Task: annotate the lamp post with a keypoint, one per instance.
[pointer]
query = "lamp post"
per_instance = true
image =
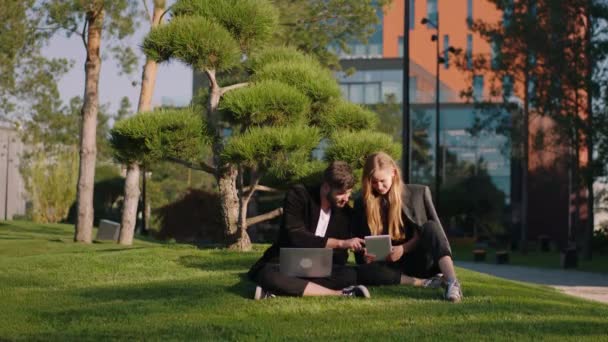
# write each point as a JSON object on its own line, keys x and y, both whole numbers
{"x": 405, "y": 134}
{"x": 439, "y": 61}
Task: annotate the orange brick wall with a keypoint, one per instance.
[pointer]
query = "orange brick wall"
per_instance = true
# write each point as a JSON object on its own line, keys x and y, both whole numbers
{"x": 452, "y": 19}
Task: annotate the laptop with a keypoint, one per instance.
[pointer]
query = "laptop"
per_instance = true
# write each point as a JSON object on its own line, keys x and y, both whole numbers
{"x": 306, "y": 262}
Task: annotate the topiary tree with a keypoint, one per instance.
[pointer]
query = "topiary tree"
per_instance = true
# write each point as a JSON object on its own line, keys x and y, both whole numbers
{"x": 289, "y": 105}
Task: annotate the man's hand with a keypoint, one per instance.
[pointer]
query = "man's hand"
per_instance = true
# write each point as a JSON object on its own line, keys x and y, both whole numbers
{"x": 395, "y": 254}
{"x": 355, "y": 244}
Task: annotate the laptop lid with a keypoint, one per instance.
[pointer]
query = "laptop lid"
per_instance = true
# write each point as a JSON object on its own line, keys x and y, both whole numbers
{"x": 306, "y": 262}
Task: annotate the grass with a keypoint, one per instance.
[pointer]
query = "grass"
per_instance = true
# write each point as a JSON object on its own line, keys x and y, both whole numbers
{"x": 53, "y": 289}
{"x": 463, "y": 251}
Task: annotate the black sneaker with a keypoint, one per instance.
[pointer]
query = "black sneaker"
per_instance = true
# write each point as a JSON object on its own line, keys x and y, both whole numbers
{"x": 453, "y": 292}
{"x": 260, "y": 293}
{"x": 356, "y": 291}
{"x": 435, "y": 282}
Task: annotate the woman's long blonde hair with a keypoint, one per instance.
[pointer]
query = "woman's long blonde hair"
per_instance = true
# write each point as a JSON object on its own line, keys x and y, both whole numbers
{"x": 373, "y": 205}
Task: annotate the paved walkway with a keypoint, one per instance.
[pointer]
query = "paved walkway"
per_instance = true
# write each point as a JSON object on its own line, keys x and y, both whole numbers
{"x": 587, "y": 285}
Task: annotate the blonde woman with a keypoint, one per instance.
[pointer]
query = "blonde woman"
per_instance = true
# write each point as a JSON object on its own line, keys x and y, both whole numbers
{"x": 421, "y": 254}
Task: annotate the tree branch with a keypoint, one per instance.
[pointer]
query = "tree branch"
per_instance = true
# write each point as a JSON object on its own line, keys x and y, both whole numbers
{"x": 264, "y": 217}
{"x": 83, "y": 34}
{"x": 224, "y": 90}
{"x": 148, "y": 11}
{"x": 262, "y": 188}
{"x": 251, "y": 189}
{"x": 195, "y": 166}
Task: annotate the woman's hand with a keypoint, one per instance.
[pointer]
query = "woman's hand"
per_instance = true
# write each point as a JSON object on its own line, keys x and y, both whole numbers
{"x": 395, "y": 254}
{"x": 369, "y": 258}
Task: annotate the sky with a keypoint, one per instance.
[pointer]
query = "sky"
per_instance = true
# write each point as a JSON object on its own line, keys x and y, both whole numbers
{"x": 173, "y": 85}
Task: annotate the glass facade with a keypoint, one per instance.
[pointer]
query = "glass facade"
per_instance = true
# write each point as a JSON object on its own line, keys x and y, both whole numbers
{"x": 373, "y": 48}
{"x": 464, "y": 154}
{"x": 372, "y": 86}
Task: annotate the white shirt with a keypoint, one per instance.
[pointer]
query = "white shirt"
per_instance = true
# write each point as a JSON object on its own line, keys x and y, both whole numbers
{"x": 323, "y": 222}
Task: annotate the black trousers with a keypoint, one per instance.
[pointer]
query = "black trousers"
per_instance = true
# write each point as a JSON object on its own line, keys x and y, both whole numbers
{"x": 422, "y": 262}
{"x": 270, "y": 278}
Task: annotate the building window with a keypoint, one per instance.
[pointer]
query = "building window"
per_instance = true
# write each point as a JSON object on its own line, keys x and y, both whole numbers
{"x": 477, "y": 87}
{"x": 469, "y": 52}
{"x": 368, "y": 93}
{"x": 494, "y": 54}
{"x": 469, "y": 13}
{"x": 412, "y": 91}
{"x": 344, "y": 90}
{"x": 431, "y": 12}
{"x": 372, "y": 93}
{"x": 507, "y": 86}
{"x": 533, "y": 8}
{"x": 531, "y": 59}
{"x": 507, "y": 15}
{"x": 446, "y": 54}
{"x": 532, "y": 92}
{"x": 400, "y": 46}
{"x": 355, "y": 93}
{"x": 375, "y": 51}
{"x": 412, "y": 14}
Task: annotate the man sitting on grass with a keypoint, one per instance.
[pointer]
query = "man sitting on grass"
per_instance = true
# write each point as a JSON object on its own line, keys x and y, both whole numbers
{"x": 314, "y": 217}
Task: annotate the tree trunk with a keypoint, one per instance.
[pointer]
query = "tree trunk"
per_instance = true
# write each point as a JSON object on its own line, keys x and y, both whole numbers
{"x": 148, "y": 81}
{"x": 226, "y": 176}
{"x": 129, "y": 211}
{"x": 88, "y": 142}
{"x": 229, "y": 206}
{"x": 590, "y": 174}
{"x": 524, "y": 162}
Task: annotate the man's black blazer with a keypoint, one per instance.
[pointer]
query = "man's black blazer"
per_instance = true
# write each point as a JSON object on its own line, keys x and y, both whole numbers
{"x": 301, "y": 210}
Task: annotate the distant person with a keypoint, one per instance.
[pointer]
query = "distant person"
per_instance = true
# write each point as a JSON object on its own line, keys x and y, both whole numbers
{"x": 421, "y": 254}
{"x": 314, "y": 217}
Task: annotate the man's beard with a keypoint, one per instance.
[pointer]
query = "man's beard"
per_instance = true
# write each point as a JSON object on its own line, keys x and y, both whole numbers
{"x": 334, "y": 201}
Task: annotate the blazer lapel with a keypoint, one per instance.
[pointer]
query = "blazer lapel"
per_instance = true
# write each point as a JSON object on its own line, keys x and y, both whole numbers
{"x": 408, "y": 206}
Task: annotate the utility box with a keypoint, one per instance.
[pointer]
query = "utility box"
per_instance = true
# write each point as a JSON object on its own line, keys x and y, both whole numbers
{"x": 108, "y": 230}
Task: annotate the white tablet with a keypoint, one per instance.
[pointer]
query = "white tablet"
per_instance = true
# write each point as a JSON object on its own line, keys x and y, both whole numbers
{"x": 379, "y": 245}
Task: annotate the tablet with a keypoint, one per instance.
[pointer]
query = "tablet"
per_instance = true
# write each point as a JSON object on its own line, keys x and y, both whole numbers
{"x": 379, "y": 245}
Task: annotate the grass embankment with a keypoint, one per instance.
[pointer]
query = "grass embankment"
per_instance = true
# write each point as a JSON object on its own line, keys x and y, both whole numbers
{"x": 53, "y": 289}
{"x": 463, "y": 250}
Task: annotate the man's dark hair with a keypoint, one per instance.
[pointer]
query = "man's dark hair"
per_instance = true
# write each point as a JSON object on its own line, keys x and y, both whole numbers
{"x": 339, "y": 176}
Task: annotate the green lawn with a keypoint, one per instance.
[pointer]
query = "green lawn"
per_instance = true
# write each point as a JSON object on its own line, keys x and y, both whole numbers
{"x": 53, "y": 289}
{"x": 463, "y": 250}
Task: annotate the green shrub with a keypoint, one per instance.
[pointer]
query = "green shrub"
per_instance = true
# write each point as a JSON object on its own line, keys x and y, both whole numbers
{"x": 354, "y": 147}
{"x": 167, "y": 133}
{"x": 196, "y": 41}
{"x": 50, "y": 181}
{"x": 265, "y": 103}
{"x": 278, "y": 54}
{"x": 250, "y": 22}
{"x": 339, "y": 114}
{"x": 278, "y": 150}
{"x": 315, "y": 82}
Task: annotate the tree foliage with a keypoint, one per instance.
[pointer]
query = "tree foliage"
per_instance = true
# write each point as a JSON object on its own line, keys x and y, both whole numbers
{"x": 289, "y": 104}
{"x": 162, "y": 134}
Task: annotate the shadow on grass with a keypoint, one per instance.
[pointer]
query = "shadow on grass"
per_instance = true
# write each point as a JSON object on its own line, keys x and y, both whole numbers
{"x": 32, "y": 228}
{"x": 222, "y": 261}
